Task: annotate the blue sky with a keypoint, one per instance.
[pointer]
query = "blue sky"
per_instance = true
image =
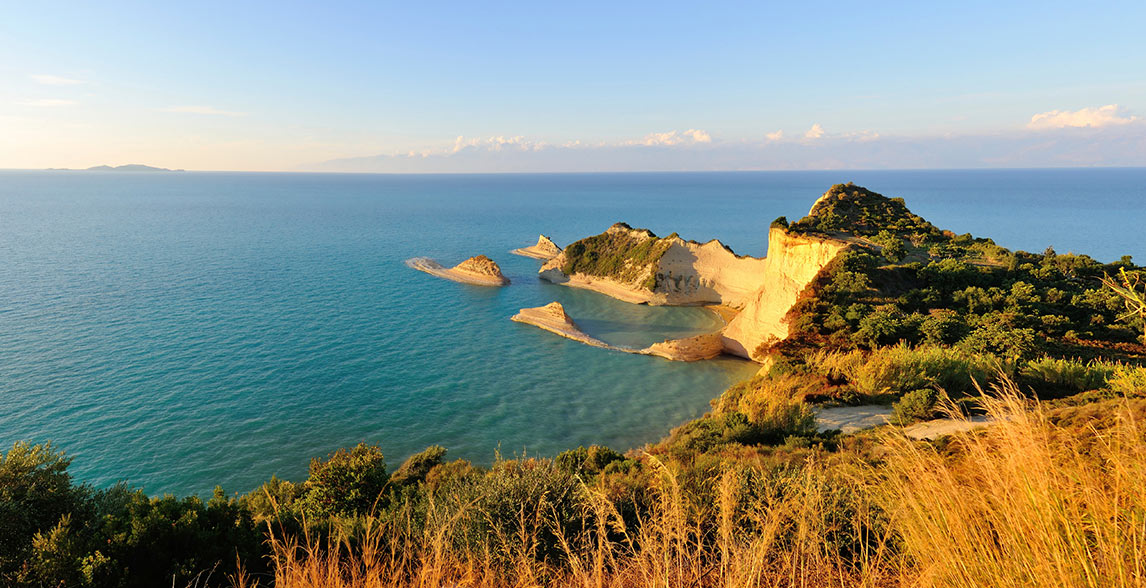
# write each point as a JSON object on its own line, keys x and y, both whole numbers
{"x": 456, "y": 86}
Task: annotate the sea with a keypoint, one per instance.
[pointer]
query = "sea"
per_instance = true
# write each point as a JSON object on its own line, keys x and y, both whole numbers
{"x": 186, "y": 330}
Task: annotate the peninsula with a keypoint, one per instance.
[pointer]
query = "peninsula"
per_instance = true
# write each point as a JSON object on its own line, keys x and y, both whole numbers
{"x": 859, "y": 269}
{"x": 478, "y": 270}
{"x": 634, "y": 265}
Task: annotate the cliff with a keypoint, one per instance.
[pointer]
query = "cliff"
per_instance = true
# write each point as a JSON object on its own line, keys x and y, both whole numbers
{"x": 544, "y": 249}
{"x": 637, "y": 266}
{"x": 793, "y": 261}
{"x": 478, "y": 270}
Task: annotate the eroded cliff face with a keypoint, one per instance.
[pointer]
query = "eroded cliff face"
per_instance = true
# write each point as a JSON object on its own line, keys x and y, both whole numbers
{"x": 793, "y": 261}
{"x": 676, "y": 272}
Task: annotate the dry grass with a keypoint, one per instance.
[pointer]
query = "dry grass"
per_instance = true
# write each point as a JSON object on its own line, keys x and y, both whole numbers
{"x": 1023, "y": 503}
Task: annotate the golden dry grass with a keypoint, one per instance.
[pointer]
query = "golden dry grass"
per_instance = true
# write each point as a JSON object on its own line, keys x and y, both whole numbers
{"x": 1022, "y": 503}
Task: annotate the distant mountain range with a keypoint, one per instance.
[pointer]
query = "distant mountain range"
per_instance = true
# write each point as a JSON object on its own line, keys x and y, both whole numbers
{"x": 131, "y": 167}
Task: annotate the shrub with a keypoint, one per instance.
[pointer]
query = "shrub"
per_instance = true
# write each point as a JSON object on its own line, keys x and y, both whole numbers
{"x": 417, "y": 466}
{"x": 35, "y": 493}
{"x": 892, "y": 246}
{"x": 901, "y": 369}
{"x": 1071, "y": 375}
{"x": 1128, "y": 381}
{"x": 917, "y": 405}
{"x": 347, "y": 483}
{"x": 998, "y": 339}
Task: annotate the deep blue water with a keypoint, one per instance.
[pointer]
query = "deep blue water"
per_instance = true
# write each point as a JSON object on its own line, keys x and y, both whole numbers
{"x": 184, "y": 330}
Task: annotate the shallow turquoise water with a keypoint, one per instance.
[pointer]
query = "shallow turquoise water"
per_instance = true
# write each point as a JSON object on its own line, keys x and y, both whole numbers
{"x": 185, "y": 330}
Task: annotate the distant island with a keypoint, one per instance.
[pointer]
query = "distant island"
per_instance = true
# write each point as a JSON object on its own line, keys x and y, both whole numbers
{"x": 131, "y": 167}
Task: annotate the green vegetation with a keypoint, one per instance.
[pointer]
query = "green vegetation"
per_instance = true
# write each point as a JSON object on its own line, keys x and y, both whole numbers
{"x": 856, "y": 210}
{"x": 622, "y": 253}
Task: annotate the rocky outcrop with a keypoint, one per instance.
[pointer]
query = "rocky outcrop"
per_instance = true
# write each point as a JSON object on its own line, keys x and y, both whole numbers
{"x": 552, "y": 318}
{"x": 478, "y": 270}
{"x": 706, "y": 346}
{"x": 544, "y": 249}
{"x": 792, "y": 262}
{"x": 668, "y": 271}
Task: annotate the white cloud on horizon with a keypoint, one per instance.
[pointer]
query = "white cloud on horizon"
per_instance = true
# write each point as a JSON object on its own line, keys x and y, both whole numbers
{"x": 1103, "y": 116}
{"x": 48, "y": 102}
{"x": 1117, "y": 145}
{"x": 815, "y": 132}
{"x": 673, "y": 138}
{"x": 774, "y": 136}
{"x": 208, "y": 110}
{"x": 51, "y": 80}
{"x": 498, "y": 143}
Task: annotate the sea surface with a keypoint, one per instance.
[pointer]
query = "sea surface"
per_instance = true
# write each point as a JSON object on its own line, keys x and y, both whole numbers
{"x": 179, "y": 331}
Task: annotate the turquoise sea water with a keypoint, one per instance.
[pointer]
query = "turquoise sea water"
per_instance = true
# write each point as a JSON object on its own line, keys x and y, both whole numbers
{"x": 184, "y": 330}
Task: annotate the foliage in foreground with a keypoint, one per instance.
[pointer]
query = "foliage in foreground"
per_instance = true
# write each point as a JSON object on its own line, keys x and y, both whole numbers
{"x": 1035, "y": 500}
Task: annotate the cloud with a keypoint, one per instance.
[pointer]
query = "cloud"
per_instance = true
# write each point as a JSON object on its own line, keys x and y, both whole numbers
{"x": 776, "y": 136}
{"x": 48, "y": 102}
{"x": 200, "y": 110}
{"x": 815, "y": 132}
{"x": 497, "y": 143}
{"x": 671, "y": 138}
{"x": 1114, "y": 145}
{"x": 50, "y": 80}
{"x": 1103, "y": 116}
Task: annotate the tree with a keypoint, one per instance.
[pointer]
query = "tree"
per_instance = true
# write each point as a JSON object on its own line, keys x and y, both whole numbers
{"x": 346, "y": 484}
{"x": 36, "y": 492}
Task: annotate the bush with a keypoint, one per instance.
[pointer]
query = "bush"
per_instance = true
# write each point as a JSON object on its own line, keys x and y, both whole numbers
{"x": 999, "y": 339}
{"x": 1128, "y": 381}
{"x": 346, "y": 484}
{"x": 417, "y": 466}
{"x": 917, "y": 405}
{"x": 1066, "y": 375}
{"x": 901, "y": 369}
{"x": 36, "y": 492}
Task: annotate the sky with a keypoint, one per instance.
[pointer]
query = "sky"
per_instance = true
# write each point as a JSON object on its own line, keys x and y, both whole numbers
{"x": 576, "y": 86}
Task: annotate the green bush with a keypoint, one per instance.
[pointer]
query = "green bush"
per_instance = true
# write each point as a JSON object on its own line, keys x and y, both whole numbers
{"x": 917, "y": 405}
{"x": 1066, "y": 375}
{"x": 347, "y": 483}
{"x": 416, "y": 467}
{"x": 901, "y": 369}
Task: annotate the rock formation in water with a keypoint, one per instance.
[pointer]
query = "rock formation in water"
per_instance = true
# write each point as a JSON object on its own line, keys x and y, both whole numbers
{"x": 478, "y": 270}
{"x": 705, "y": 346}
{"x": 544, "y": 249}
{"x": 552, "y": 318}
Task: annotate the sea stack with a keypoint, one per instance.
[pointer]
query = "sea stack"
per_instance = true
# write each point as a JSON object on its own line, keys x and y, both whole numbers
{"x": 552, "y": 318}
{"x": 545, "y": 249}
{"x": 478, "y": 270}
